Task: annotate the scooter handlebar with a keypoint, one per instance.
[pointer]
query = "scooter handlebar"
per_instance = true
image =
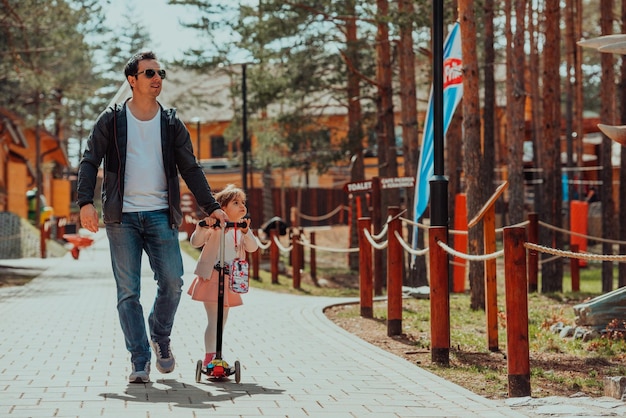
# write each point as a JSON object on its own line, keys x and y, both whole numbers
{"x": 242, "y": 224}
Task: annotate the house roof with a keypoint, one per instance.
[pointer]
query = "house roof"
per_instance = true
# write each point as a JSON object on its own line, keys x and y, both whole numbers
{"x": 208, "y": 96}
{"x": 196, "y": 96}
{"x": 23, "y": 141}
{"x": 8, "y": 126}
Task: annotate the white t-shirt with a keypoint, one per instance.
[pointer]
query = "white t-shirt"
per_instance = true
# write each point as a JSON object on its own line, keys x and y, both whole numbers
{"x": 145, "y": 185}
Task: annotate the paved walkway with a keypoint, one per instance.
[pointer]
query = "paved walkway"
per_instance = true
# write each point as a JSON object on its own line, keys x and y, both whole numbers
{"x": 62, "y": 354}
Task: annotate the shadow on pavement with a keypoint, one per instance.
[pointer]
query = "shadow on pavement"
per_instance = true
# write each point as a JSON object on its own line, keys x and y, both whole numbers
{"x": 184, "y": 395}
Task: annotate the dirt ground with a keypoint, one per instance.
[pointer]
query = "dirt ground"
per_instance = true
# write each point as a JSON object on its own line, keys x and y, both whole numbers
{"x": 483, "y": 373}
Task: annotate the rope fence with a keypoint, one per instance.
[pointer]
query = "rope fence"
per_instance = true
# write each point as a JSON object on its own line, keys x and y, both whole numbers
{"x": 321, "y": 217}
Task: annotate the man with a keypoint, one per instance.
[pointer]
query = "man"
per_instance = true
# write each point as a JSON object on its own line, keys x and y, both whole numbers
{"x": 144, "y": 147}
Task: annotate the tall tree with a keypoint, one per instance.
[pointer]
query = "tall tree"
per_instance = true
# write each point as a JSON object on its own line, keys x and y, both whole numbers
{"x": 607, "y": 115}
{"x": 489, "y": 110}
{"x": 516, "y": 99}
{"x": 47, "y": 72}
{"x": 534, "y": 89}
{"x": 408, "y": 110}
{"x": 355, "y": 128}
{"x": 622, "y": 172}
{"x": 551, "y": 196}
{"x": 472, "y": 141}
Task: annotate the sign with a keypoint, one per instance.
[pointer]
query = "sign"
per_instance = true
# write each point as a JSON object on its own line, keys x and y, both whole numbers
{"x": 359, "y": 186}
{"x": 397, "y": 182}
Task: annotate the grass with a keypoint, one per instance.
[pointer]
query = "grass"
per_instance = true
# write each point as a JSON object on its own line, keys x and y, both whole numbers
{"x": 559, "y": 366}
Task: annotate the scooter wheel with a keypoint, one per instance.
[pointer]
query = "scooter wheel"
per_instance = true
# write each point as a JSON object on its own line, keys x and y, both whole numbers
{"x": 237, "y": 372}
{"x": 198, "y": 371}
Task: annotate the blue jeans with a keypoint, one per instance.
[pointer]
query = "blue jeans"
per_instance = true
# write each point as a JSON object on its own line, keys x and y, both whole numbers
{"x": 150, "y": 231}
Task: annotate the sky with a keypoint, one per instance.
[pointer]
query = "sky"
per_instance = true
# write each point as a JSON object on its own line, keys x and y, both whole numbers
{"x": 168, "y": 38}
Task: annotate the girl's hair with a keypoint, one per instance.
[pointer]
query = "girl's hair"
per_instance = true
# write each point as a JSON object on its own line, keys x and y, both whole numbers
{"x": 230, "y": 192}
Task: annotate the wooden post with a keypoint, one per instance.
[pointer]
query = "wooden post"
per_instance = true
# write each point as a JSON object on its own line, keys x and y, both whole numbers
{"x": 533, "y": 255}
{"x": 44, "y": 234}
{"x": 575, "y": 270}
{"x": 366, "y": 289}
{"x": 579, "y": 211}
{"x": 439, "y": 297}
{"x": 394, "y": 275}
{"x": 491, "y": 284}
{"x": 313, "y": 259}
{"x": 296, "y": 261}
{"x": 274, "y": 254}
{"x": 256, "y": 256}
{"x": 460, "y": 242}
{"x": 518, "y": 357}
{"x": 488, "y": 216}
{"x": 377, "y": 227}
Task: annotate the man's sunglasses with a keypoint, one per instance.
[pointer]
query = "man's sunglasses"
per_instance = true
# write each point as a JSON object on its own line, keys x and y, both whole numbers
{"x": 150, "y": 73}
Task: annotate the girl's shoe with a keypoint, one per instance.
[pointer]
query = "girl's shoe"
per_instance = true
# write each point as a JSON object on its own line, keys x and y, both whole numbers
{"x": 208, "y": 357}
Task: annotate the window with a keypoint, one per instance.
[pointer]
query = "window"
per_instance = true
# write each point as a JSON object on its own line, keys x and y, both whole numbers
{"x": 218, "y": 147}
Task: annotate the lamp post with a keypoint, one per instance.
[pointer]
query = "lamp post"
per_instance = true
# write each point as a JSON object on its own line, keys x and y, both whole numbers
{"x": 439, "y": 182}
{"x": 244, "y": 130}
{"x": 197, "y": 121}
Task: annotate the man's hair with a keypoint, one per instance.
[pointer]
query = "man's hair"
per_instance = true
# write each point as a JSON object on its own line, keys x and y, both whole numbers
{"x": 132, "y": 66}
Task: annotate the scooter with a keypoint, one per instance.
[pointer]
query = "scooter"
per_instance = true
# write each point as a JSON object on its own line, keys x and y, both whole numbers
{"x": 219, "y": 369}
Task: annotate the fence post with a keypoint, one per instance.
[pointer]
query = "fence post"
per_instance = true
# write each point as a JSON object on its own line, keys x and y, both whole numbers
{"x": 575, "y": 270}
{"x": 377, "y": 226}
{"x": 488, "y": 216}
{"x": 518, "y": 358}
{"x": 491, "y": 275}
{"x": 533, "y": 255}
{"x": 274, "y": 254}
{"x": 579, "y": 220}
{"x": 313, "y": 259}
{"x": 256, "y": 261}
{"x": 460, "y": 242}
{"x": 296, "y": 261}
{"x": 366, "y": 289}
{"x": 394, "y": 274}
{"x": 439, "y": 296}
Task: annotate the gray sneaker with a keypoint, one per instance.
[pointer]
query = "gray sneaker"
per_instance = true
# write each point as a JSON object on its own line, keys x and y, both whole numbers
{"x": 165, "y": 362}
{"x": 140, "y": 374}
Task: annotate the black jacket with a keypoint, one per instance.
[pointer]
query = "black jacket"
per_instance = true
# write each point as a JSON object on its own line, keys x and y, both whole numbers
{"x": 108, "y": 141}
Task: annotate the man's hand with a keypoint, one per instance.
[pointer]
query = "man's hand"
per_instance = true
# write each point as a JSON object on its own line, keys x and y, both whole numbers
{"x": 219, "y": 215}
{"x": 89, "y": 218}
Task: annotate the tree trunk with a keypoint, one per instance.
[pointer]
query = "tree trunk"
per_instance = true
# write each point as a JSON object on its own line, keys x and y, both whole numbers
{"x": 489, "y": 158}
{"x": 355, "y": 129}
{"x": 570, "y": 52}
{"x": 622, "y": 172}
{"x": 516, "y": 99}
{"x": 607, "y": 115}
{"x": 535, "y": 104}
{"x": 578, "y": 89}
{"x": 387, "y": 163}
{"x": 472, "y": 141}
{"x": 551, "y": 272}
{"x": 408, "y": 111}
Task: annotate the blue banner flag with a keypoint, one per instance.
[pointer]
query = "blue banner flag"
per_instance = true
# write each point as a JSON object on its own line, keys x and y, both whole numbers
{"x": 452, "y": 94}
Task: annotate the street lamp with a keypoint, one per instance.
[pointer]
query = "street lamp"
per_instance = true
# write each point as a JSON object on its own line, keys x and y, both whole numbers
{"x": 244, "y": 140}
{"x": 197, "y": 121}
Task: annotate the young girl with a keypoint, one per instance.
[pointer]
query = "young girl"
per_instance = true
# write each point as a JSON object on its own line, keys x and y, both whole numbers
{"x": 238, "y": 241}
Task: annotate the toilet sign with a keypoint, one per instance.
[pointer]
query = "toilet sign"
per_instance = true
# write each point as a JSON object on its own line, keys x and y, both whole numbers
{"x": 385, "y": 183}
{"x": 358, "y": 186}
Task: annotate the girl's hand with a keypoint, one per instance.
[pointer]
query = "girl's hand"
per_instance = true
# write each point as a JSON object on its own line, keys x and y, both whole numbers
{"x": 247, "y": 228}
